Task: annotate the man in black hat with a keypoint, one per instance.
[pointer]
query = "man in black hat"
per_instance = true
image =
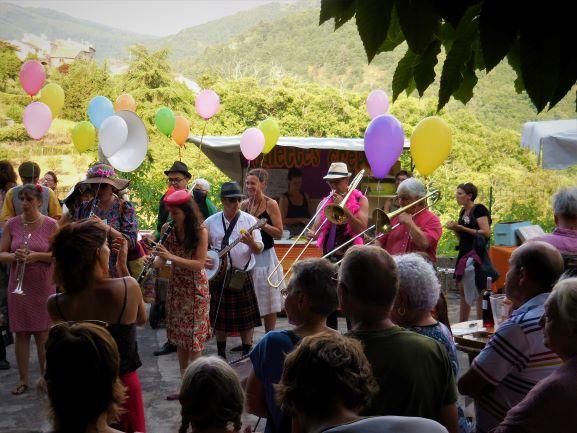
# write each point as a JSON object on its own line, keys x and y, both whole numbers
{"x": 29, "y": 174}
{"x": 233, "y": 303}
{"x": 177, "y": 177}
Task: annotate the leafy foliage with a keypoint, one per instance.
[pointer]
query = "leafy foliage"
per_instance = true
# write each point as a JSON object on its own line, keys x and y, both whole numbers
{"x": 486, "y": 30}
{"x": 9, "y": 65}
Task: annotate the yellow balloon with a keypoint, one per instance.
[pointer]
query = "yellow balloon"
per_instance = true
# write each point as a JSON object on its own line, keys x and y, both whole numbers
{"x": 271, "y": 132}
{"x": 84, "y": 136}
{"x": 430, "y": 144}
{"x": 53, "y": 96}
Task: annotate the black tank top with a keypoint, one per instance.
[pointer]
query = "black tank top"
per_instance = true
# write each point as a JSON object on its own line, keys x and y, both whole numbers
{"x": 294, "y": 211}
{"x": 267, "y": 239}
{"x": 125, "y": 337}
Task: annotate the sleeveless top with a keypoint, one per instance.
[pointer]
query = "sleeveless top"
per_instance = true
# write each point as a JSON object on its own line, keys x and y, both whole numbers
{"x": 294, "y": 211}
{"x": 125, "y": 337}
{"x": 267, "y": 239}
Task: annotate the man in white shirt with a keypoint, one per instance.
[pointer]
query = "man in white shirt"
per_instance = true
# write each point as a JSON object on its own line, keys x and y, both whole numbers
{"x": 233, "y": 305}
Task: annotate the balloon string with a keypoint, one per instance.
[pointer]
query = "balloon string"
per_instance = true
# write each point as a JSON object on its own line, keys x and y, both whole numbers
{"x": 261, "y": 160}
{"x": 379, "y": 194}
{"x": 180, "y": 153}
{"x": 200, "y": 147}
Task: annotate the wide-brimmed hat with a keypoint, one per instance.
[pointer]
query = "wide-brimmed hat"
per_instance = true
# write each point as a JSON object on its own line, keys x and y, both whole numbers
{"x": 179, "y": 167}
{"x": 103, "y": 173}
{"x": 231, "y": 190}
{"x": 337, "y": 170}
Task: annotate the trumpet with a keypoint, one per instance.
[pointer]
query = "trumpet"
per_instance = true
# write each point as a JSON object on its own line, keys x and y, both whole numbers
{"x": 21, "y": 269}
{"x": 382, "y": 221}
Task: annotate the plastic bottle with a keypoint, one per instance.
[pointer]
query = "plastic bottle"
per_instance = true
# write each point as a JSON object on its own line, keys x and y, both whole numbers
{"x": 488, "y": 321}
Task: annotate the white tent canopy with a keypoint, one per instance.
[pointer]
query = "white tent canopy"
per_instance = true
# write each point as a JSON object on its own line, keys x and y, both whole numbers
{"x": 219, "y": 148}
{"x": 554, "y": 141}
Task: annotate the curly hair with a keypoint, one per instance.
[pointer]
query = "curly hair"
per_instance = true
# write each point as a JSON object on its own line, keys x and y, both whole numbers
{"x": 82, "y": 381}
{"x": 7, "y": 175}
{"x": 210, "y": 395}
{"x": 323, "y": 371}
{"x": 417, "y": 279}
{"x": 74, "y": 250}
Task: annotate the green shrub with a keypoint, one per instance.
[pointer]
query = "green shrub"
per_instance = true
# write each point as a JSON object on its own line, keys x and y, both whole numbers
{"x": 14, "y": 112}
{"x": 16, "y": 132}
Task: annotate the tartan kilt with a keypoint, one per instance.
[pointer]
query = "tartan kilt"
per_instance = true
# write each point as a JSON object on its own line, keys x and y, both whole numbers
{"x": 238, "y": 310}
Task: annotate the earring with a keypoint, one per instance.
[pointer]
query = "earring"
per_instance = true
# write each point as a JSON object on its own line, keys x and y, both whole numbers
{"x": 401, "y": 311}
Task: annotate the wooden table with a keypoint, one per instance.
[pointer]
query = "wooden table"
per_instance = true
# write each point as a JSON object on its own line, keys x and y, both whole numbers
{"x": 471, "y": 337}
{"x": 282, "y": 246}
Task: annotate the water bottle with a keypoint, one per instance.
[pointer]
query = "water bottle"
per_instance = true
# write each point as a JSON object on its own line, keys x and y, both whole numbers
{"x": 488, "y": 321}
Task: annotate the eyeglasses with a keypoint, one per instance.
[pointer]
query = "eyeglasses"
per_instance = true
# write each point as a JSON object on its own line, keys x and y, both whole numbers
{"x": 175, "y": 179}
{"x": 76, "y": 322}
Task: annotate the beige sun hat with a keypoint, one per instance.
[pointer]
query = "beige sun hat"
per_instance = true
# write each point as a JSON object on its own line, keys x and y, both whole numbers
{"x": 337, "y": 170}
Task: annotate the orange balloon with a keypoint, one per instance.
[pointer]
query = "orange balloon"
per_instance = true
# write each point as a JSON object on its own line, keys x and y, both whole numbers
{"x": 125, "y": 102}
{"x": 181, "y": 130}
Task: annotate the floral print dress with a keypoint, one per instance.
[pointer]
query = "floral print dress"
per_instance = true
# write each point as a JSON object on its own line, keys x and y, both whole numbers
{"x": 187, "y": 303}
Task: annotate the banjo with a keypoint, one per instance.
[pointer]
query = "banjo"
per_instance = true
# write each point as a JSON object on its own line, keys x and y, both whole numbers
{"x": 219, "y": 266}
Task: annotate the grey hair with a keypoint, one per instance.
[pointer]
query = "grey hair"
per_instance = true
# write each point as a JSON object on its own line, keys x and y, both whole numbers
{"x": 565, "y": 293}
{"x": 203, "y": 183}
{"x": 413, "y": 187}
{"x": 565, "y": 203}
{"x": 417, "y": 279}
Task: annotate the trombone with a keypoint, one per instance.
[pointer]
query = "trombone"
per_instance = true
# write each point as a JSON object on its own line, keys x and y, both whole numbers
{"x": 334, "y": 213}
{"x": 382, "y": 221}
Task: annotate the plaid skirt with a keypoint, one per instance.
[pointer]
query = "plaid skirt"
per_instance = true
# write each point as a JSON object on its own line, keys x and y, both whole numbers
{"x": 238, "y": 310}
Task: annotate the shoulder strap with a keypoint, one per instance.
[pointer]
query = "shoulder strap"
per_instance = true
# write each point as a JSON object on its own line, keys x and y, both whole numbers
{"x": 228, "y": 232}
{"x": 125, "y": 299}
{"x": 58, "y": 307}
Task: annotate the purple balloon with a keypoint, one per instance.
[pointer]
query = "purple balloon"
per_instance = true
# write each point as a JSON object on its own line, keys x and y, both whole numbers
{"x": 37, "y": 119}
{"x": 384, "y": 140}
{"x": 377, "y": 103}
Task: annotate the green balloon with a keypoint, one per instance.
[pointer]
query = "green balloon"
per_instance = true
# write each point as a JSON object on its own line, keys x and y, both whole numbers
{"x": 165, "y": 120}
{"x": 84, "y": 136}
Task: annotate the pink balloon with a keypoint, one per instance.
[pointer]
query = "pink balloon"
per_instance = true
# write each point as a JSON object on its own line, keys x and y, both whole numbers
{"x": 207, "y": 104}
{"x": 377, "y": 103}
{"x": 252, "y": 143}
{"x": 32, "y": 76}
{"x": 37, "y": 119}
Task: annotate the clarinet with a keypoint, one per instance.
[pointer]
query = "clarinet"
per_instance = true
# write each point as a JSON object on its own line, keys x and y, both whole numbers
{"x": 150, "y": 261}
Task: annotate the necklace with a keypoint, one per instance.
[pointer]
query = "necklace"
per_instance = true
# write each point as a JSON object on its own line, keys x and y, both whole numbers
{"x": 254, "y": 209}
{"x": 30, "y": 222}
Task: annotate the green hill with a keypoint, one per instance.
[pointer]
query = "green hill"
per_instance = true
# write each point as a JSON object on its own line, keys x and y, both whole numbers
{"x": 296, "y": 46}
{"x": 108, "y": 41}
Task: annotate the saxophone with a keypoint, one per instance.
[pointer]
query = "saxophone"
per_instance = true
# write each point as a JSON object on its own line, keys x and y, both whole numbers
{"x": 21, "y": 268}
{"x": 150, "y": 261}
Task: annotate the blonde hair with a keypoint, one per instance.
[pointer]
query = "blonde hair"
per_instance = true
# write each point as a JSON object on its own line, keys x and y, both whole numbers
{"x": 565, "y": 294}
{"x": 210, "y": 395}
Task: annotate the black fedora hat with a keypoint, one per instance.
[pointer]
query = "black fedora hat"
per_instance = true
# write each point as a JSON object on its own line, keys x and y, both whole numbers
{"x": 180, "y": 167}
{"x": 231, "y": 189}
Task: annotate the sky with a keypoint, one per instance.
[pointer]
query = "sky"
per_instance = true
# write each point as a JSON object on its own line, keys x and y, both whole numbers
{"x": 151, "y": 17}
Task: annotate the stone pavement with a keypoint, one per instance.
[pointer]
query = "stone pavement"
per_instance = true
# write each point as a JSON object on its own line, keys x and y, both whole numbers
{"x": 159, "y": 376}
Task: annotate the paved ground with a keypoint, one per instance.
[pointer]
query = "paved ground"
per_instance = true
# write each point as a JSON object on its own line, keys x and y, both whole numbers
{"x": 159, "y": 377}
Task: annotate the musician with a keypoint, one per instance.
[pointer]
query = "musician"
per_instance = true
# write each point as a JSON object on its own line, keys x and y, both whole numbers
{"x": 188, "y": 296}
{"x": 177, "y": 178}
{"x": 233, "y": 304}
{"x": 261, "y": 206}
{"x": 419, "y": 229}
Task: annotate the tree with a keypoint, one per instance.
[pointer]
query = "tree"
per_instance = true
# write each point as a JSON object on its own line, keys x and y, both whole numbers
{"x": 537, "y": 40}
{"x": 9, "y": 64}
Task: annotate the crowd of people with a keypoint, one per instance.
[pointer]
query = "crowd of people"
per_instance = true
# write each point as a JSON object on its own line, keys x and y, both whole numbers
{"x": 71, "y": 283}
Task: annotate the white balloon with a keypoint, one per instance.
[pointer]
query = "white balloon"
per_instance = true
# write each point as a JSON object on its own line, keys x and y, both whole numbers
{"x": 132, "y": 154}
{"x": 112, "y": 135}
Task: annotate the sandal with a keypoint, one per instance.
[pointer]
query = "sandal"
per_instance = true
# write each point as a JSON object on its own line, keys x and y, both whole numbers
{"x": 20, "y": 389}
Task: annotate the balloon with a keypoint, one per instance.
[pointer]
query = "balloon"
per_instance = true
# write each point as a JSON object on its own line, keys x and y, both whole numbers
{"x": 84, "y": 136}
{"x": 252, "y": 143}
{"x": 384, "y": 140}
{"x": 430, "y": 144}
{"x": 32, "y": 76}
{"x": 269, "y": 128}
{"x": 37, "y": 119}
{"x": 181, "y": 130}
{"x": 207, "y": 103}
{"x": 112, "y": 135}
{"x": 53, "y": 96}
{"x": 164, "y": 120}
{"x": 125, "y": 102}
{"x": 99, "y": 108}
{"x": 377, "y": 103}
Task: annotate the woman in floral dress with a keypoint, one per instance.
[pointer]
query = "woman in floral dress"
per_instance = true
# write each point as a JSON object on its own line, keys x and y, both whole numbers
{"x": 188, "y": 296}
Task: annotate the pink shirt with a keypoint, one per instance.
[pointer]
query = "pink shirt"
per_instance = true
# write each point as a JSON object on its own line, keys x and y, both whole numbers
{"x": 398, "y": 241}
{"x": 565, "y": 240}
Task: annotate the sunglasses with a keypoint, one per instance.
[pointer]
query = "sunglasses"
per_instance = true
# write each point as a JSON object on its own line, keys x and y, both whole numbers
{"x": 75, "y": 322}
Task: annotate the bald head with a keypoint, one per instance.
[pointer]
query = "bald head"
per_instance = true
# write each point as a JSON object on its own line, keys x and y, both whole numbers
{"x": 542, "y": 262}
